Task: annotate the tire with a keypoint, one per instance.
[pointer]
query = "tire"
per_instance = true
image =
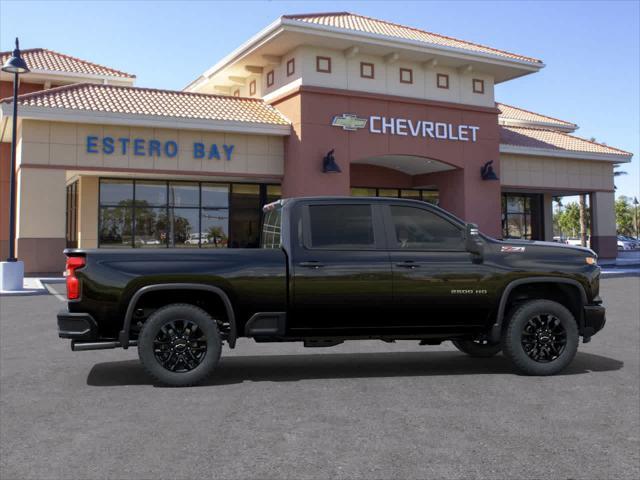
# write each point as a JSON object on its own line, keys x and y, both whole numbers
{"x": 476, "y": 348}
{"x": 179, "y": 345}
{"x": 542, "y": 329}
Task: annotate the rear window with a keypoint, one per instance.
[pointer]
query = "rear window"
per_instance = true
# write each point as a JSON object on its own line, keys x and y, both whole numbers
{"x": 271, "y": 228}
{"x": 341, "y": 226}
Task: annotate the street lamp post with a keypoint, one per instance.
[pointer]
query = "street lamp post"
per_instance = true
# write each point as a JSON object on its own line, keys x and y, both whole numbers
{"x": 12, "y": 270}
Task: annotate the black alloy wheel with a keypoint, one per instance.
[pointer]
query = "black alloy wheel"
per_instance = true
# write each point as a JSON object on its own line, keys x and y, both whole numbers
{"x": 540, "y": 337}
{"x": 544, "y": 338}
{"x": 180, "y": 346}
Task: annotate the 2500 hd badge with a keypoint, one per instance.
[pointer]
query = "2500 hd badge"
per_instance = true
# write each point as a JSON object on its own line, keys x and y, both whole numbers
{"x": 334, "y": 269}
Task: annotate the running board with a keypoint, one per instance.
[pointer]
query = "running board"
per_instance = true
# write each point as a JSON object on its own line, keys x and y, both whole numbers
{"x": 77, "y": 346}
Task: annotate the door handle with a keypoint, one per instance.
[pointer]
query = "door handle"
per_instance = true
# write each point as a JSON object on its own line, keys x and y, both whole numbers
{"x": 408, "y": 264}
{"x": 312, "y": 264}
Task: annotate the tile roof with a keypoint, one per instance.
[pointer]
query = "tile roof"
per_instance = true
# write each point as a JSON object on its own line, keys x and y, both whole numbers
{"x": 515, "y": 113}
{"x": 553, "y": 140}
{"x": 43, "y": 59}
{"x": 360, "y": 23}
{"x": 147, "y": 101}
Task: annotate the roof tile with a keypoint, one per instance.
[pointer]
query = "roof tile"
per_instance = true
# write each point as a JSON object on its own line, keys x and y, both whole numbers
{"x": 43, "y": 59}
{"x": 360, "y": 23}
{"x": 147, "y": 101}
{"x": 553, "y": 140}
{"x": 516, "y": 113}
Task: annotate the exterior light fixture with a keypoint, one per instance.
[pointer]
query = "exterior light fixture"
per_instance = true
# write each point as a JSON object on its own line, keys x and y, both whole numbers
{"x": 487, "y": 173}
{"x": 329, "y": 164}
{"x": 12, "y": 271}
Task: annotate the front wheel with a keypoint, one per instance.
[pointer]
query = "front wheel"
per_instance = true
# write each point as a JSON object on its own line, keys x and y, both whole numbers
{"x": 477, "y": 348}
{"x": 179, "y": 345}
{"x": 541, "y": 338}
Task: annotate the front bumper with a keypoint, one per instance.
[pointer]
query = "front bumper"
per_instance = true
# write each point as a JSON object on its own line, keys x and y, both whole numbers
{"x": 594, "y": 320}
{"x": 77, "y": 326}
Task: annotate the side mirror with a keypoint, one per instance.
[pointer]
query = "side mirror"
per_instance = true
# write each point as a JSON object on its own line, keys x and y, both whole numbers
{"x": 473, "y": 242}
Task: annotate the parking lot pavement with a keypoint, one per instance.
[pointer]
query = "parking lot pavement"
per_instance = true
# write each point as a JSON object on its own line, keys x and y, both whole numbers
{"x": 359, "y": 410}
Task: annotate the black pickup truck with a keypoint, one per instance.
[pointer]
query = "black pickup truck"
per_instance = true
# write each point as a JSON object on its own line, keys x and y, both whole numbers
{"x": 334, "y": 269}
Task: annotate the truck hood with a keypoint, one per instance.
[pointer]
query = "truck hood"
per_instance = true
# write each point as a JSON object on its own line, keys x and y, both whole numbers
{"x": 550, "y": 245}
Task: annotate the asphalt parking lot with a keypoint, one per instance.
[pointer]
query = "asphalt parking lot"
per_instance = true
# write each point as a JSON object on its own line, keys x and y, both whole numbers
{"x": 358, "y": 410}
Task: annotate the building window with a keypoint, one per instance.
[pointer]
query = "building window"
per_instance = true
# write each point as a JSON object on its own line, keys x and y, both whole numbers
{"x": 291, "y": 67}
{"x": 430, "y": 196}
{"x": 72, "y": 215}
{"x": 270, "y": 78}
{"x": 478, "y": 86}
{"x": 442, "y": 80}
{"x": 323, "y": 64}
{"x": 367, "y": 70}
{"x": 521, "y": 216}
{"x": 406, "y": 75}
{"x": 252, "y": 88}
{"x": 236, "y": 93}
{"x": 181, "y": 214}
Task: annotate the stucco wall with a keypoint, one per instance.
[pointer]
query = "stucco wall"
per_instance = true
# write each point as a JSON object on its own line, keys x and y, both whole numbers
{"x": 555, "y": 173}
{"x": 345, "y": 74}
{"x": 65, "y": 144}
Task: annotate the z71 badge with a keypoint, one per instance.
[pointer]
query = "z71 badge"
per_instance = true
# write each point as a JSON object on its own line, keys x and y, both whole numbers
{"x": 512, "y": 249}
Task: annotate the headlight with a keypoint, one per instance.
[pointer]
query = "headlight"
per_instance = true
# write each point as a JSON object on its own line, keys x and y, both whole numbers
{"x": 591, "y": 260}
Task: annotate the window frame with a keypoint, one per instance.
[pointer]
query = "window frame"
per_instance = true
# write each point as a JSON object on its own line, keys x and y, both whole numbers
{"x": 291, "y": 63}
{"x": 480, "y": 82}
{"x": 270, "y": 78}
{"x": 373, "y": 70}
{"x": 410, "y": 72}
{"x": 391, "y": 235}
{"x": 379, "y": 242}
{"x": 252, "y": 88}
{"x": 320, "y": 70}
{"x": 446, "y": 78}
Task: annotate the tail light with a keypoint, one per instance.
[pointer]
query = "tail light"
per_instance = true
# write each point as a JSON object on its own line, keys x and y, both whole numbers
{"x": 73, "y": 284}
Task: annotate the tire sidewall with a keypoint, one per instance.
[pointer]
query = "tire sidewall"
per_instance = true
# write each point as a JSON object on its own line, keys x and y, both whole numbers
{"x": 164, "y": 316}
{"x": 512, "y": 338}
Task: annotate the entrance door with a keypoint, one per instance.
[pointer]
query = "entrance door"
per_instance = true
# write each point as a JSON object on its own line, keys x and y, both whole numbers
{"x": 435, "y": 281}
{"x": 342, "y": 274}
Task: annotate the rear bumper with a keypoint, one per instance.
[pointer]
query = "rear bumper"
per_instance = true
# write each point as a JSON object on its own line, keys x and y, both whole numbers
{"x": 594, "y": 320}
{"x": 77, "y": 326}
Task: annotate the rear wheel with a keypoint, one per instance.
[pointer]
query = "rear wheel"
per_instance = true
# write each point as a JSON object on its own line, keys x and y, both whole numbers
{"x": 477, "y": 348}
{"x": 541, "y": 338}
{"x": 179, "y": 345}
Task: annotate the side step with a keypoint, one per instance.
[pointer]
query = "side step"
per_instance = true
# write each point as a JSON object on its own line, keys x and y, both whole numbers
{"x": 77, "y": 346}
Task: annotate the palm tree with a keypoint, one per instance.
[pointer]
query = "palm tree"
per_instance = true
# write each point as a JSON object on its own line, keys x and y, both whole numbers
{"x": 617, "y": 173}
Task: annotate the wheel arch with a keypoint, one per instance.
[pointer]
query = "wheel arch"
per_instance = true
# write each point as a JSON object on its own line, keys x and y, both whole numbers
{"x": 576, "y": 286}
{"x": 123, "y": 337}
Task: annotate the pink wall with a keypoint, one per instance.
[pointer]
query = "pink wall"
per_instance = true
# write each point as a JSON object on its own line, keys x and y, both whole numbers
{"x": 462, "y": 191}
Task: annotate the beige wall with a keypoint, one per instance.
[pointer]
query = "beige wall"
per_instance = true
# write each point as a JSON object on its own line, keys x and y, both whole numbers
{"x": 64, "y": 144}
{"x": 555, "y": 173}
{"x": 345, "y": 74}
{"x": 603, "y": 211}
{"x": 41, "y": 203}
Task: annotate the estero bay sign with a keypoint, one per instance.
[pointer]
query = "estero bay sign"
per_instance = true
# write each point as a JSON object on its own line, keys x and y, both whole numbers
{"x": 408, "y": 127}
{"x": 160, "y": 148}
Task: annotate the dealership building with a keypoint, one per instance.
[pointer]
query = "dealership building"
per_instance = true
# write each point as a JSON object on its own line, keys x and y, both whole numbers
{"x": 404, "y": 112}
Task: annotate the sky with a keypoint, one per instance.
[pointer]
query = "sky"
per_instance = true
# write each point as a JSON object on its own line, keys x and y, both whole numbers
{"x": 591, "y": 49}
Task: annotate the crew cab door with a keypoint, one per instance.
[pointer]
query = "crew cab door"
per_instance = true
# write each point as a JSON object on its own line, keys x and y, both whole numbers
{"x": 435, "y": 280}
{"x": 341, "y": 271}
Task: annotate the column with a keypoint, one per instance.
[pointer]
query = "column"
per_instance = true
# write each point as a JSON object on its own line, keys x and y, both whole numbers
{"x": 603, "y": 224}
{"x": 547, "y": 217}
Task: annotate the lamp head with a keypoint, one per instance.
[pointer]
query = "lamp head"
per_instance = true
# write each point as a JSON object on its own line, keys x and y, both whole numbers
{"x": 15, "y": 63}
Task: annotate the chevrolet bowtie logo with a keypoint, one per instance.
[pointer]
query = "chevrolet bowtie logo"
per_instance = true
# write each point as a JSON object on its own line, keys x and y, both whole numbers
{"x": 349, "y": 122}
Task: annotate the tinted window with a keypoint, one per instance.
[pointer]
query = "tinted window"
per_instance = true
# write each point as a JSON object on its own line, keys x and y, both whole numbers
{"x": 271, "y": 230}
{"x": 341, "y": 226}
{"x": 417, "y": 229}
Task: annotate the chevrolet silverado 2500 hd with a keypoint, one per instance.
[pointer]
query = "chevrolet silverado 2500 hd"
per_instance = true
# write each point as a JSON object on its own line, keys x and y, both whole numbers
{"x": 334, "y": 269}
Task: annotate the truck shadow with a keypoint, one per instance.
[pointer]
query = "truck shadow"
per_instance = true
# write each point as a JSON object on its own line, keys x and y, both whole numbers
{"x": 291, "y": 368}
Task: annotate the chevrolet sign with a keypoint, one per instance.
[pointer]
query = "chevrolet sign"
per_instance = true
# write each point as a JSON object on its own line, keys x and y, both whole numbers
{"x": 349, "y": 122}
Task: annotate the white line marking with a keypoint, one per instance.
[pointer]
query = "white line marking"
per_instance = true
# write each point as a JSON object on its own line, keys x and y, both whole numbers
{"x": 54, "y": 293}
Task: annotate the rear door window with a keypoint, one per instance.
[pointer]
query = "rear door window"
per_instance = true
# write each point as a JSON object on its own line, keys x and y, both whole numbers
{"x": 341, "y": 227}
